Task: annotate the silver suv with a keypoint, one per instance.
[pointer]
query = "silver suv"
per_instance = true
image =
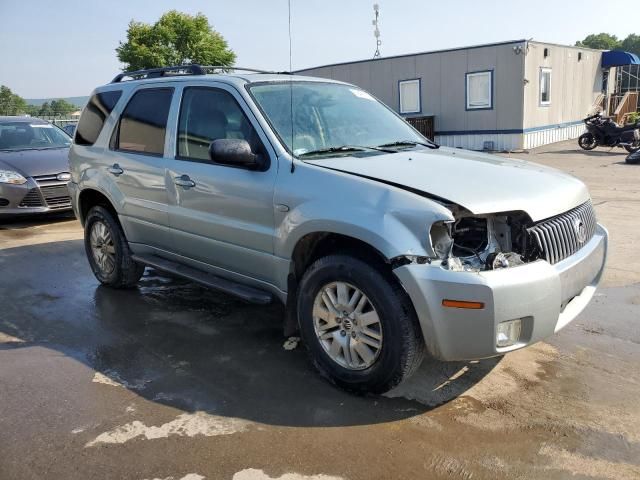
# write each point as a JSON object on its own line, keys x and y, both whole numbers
{"x": 381, "y": 245}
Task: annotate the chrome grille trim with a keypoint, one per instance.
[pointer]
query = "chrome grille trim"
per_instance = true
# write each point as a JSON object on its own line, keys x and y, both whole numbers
{"x": 557, "y": 237}
{"x": 46, "y": 178}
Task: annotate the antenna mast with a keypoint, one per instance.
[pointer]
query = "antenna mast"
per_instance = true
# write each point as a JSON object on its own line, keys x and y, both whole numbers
{"x": 376, "y": 30}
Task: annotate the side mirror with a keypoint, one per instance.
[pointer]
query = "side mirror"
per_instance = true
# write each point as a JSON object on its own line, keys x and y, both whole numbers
{"x": 232, "y": 151}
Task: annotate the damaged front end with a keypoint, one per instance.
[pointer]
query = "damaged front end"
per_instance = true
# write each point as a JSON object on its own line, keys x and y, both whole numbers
{"x": 483, "y": 242}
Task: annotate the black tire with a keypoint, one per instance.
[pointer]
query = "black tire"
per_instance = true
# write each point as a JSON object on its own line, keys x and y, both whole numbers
{"x": 587, "y": 141}
{"x": 402, "y": 349}
{"x": 125, "y": 272}
{"x": 633, "y": 148}
{"x": 633, "y": 159}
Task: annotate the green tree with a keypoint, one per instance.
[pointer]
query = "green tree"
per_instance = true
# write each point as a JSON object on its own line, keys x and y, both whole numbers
{"x": 62, "y": 107}
{"x": 175, "y": 39}
{"x": 631, "y": 44}
{"x": 600, "y": 41}
{"x": 11, "y": 103}
{"x": 45, "y": 110}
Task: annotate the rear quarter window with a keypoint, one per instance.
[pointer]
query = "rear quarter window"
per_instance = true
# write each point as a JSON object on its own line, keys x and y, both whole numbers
{"x": 94, "y": 115}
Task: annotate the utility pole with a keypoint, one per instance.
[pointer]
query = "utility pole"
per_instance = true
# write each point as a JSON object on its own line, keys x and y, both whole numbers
{"x": 376, "y": 30}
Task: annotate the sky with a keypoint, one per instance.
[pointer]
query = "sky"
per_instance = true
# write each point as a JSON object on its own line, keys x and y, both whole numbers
{"x": 66, "y": 48}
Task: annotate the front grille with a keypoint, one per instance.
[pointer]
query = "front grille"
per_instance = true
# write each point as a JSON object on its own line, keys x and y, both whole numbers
{"x": 560, "y": 237}
{"x": 56, "y": 195}
{"x": 31, "y": 199}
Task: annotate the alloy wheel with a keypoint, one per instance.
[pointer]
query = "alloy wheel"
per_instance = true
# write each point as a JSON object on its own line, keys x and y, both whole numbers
{"x": 347, "y": 325}
{"x": 102, "y": 247}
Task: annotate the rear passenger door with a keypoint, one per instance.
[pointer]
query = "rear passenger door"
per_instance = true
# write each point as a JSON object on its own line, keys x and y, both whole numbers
{"x": 224, "y": 215}
{"x": 136, "y": 164}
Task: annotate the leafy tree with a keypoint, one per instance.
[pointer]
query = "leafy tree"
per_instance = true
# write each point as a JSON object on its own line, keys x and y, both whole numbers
{"x": 45, "y": 110}
{"x": 600, "y": 41}
{"x": 62, "y": 107}
{"x": 32, "y": 110}
{"x": 175, "y": 39}
{"x": 631, "y": 44}
{"x": 11, "y": 103}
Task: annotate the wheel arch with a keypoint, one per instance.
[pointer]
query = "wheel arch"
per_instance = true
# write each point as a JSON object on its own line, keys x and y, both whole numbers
{"x": 90, "y": 197}
{"x": 317, "y": 244}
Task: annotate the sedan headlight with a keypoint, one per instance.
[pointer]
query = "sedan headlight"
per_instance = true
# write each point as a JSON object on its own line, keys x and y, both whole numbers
{"x": 9, "y": 176}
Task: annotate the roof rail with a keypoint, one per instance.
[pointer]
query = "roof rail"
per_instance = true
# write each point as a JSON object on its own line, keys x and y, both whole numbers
{"x": 178, "y": 70}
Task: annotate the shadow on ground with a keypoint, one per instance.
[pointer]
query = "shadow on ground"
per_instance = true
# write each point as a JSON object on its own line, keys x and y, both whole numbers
{"x": 588, "y": 153}
{"x": 28, "y": 221}
{"x": 173, "y": 342}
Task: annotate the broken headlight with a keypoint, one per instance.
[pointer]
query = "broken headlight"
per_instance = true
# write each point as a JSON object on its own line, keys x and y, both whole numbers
{"x": 475, "y": 243}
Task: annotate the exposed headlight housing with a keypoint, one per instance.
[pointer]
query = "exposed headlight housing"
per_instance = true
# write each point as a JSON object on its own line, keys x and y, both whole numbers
{"x": 9, "y": 176}
{"x": 477, "y": 242}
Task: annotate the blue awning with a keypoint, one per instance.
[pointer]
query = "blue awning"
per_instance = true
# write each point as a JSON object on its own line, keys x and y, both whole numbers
{"x": 617, "y": 58}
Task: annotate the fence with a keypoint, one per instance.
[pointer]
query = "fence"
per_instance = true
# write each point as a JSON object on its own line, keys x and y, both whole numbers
{"x": 59, "y": 120}
{"x": 621, "y": 105}
{"x": 425, "y": 125}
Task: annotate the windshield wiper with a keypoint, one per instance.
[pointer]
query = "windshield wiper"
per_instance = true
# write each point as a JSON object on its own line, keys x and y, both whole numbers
{"x": 344, "y": 149}
{"x": 409, "y": 143}
{"x": 26, "y": 149}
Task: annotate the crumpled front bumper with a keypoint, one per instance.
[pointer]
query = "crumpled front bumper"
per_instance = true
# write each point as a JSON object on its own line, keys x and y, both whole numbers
{"x": 546, "y": 297}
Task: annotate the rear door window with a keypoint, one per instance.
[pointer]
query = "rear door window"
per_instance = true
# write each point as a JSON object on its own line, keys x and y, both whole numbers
{"x": 143, "y": 123}
{"x": 94, "y": 115}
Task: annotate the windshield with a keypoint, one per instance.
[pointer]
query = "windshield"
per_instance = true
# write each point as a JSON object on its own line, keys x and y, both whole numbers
{"x": 328, "y": 117}
{"x": 31, "y": 136}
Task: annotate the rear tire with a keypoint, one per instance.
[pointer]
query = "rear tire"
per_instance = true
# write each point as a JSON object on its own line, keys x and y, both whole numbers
{"x": 379, "y": 344}
{"x": 587, "y": 141}
{"x": 108, "y": 251}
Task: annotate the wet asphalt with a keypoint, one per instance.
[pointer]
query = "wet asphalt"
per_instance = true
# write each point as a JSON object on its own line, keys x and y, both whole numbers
{"x": 170, "y": 380}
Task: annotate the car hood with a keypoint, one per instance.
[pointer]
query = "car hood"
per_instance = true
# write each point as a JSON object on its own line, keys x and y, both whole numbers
{"x": 479, "y": 182}
{"x": 33, "y": 163}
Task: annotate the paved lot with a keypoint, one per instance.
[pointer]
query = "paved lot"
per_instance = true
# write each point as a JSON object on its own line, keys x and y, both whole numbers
{"x": 173, "y": 381}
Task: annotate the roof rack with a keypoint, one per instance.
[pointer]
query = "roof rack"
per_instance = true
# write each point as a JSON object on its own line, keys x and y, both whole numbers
{"x": 179, "y": 70}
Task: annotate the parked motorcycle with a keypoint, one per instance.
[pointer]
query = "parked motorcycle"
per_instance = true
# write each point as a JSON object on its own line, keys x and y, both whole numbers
{"x": 602, "y": 131}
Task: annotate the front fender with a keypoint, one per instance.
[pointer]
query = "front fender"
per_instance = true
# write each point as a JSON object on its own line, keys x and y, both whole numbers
{"x": 392, "y": 220}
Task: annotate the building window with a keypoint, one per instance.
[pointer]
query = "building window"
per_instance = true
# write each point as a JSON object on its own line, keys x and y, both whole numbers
{"x": 480, "y": 90}
{"x": 410, "y": 101}
{"x": 545, "y": 86}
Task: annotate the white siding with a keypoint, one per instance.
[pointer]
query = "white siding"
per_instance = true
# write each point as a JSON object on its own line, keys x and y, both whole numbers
{"x": 552, "y": 135}
{"x": 501, "y": 142}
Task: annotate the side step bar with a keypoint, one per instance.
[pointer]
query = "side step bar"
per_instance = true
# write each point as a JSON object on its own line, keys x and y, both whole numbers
{"x": 249, "y": 294}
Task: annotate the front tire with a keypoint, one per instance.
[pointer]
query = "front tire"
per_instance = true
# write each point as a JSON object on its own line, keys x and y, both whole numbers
{"x": 634, "y": 147}
{"x": 358, "y": 324}
{"x": 587, "y": 141}
{"x": 108, "y": 251}
{"x": 633, "y": 159}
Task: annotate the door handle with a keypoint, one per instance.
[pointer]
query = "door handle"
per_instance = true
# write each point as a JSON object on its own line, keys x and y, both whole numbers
{"x": 184, "y": 181}
{"x": 115, "y": 170}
